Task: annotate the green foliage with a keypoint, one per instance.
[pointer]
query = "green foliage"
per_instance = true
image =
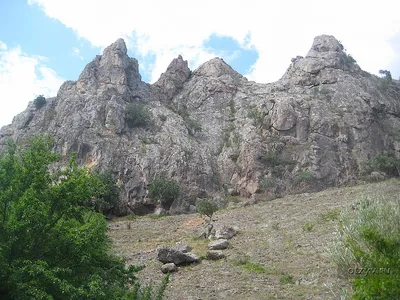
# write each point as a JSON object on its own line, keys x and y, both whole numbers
{"x": 164, "y": 190}
{"x": 257, "y": 115}
{"x": 206, "y": 207}
{"x": 350, "y": 59}
{"x": 367, "y": 248}
{"x": 305, "y": 176}
{"x": 386, "y": 75}
{"x": 232, "y": 108}
{"x": 271, "y": 159}
{"x": 109, "y": 197}
{"x": 330, "y": 215}
{"x": 137, "y": 115}
{"x": 267, "y": 184}
{"x": 383, "y": 163}
{"x": 192, "y": 126}
{"x": 254, "y": 267}
{"x": 308, "y": 227}
{"x": 51, "y": 246}
{"x": 146, "y": 292}
{"x": 39, "y": 101}
{"x": 286, "y": 279}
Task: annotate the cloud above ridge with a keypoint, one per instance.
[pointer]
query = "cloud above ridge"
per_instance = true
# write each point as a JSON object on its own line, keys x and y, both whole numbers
{"x": 277, "y": 30}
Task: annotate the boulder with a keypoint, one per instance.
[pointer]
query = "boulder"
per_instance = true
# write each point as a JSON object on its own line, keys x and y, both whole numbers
{"x": 170, "y": 255}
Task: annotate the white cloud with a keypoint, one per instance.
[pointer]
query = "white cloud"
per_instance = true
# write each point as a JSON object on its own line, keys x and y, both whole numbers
{"x": 3, "y": 46}
{"x": 22, "y": 78}
{"x": 278, "y": 30}
{"x": 77, "y": 52}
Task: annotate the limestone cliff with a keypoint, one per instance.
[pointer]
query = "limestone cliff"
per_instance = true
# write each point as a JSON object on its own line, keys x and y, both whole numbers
{"x": 217, "y": 133}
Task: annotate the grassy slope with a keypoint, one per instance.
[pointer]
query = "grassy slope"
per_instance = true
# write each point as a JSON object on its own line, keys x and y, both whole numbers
{"x": 280, "y": 252}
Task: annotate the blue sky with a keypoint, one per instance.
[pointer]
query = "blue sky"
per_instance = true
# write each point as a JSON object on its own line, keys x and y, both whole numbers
{"x": 45, "y": 42}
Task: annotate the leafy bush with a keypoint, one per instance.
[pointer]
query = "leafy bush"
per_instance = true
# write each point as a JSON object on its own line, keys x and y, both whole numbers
{"x": 137, "y": 115}
{"x": 367, "y": 248}
{"x": 386, "y": 75}
{"x": 305, "y": 176}
{"x": 39, "y": 101}
{"x": 383, "y": 163}
{"x": 350, "y": 59}
{"x": 50, "y": 245}
{"x": 271, "y": 159}
{"x": 206, "y": 207}
{"x": 267, "y": 184}
{"x": 164, "y": 190}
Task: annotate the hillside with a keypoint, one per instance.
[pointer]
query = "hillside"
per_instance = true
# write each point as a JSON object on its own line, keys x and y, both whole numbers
{"x": 277, "y": 239}
{"x": 216, "y": 133}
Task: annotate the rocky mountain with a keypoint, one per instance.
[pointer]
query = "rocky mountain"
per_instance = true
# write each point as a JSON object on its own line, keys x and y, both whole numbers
{"x": 215, "y": 132}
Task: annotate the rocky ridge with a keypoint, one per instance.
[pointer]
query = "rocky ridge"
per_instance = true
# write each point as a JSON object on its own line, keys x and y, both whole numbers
{"x": 217, "y": 133}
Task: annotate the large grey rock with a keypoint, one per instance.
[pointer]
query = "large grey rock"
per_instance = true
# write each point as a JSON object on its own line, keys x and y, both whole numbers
{"x": 215, "y": 132}
{"x": 171, "y": 255}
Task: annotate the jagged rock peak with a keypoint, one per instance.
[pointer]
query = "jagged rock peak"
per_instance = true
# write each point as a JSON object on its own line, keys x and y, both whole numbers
{"x": 118, "y": 47}
{"x": 116, "y": 55}
{"x": 216, "y": 67}
{"x": 178, "y": 70}
{"x": 173, "y": 79}
{"x": 321, "y": 65}
{"x": 113, "y": 69}
{"x": 326, "y": 43}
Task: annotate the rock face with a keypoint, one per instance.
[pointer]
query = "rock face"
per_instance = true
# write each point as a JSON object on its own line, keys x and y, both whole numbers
{"x": 215, "y": 132}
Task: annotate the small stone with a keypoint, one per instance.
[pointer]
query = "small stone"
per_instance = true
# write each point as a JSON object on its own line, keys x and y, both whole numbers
{"x": 225, "y": 233}
{"x": 169, "y": 268}
{"x": 192, "y": 208}
{"x": 215, "y": 255}
{"x": 218, "y": 245}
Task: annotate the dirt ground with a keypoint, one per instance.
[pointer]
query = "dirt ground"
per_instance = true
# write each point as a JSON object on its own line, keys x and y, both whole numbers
{"x": 280, "y": 252}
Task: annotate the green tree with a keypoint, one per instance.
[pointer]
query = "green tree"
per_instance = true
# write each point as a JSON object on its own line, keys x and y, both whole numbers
{"x": 137, "y": 115}
{"x": 164, "y": 190}
{"x": 387, "y": 75}
{"x": 109, "y": 197}
{"x": 39, "y": 101}
{"x": 51, "y": 246}
{"x": 206, "y": 208}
